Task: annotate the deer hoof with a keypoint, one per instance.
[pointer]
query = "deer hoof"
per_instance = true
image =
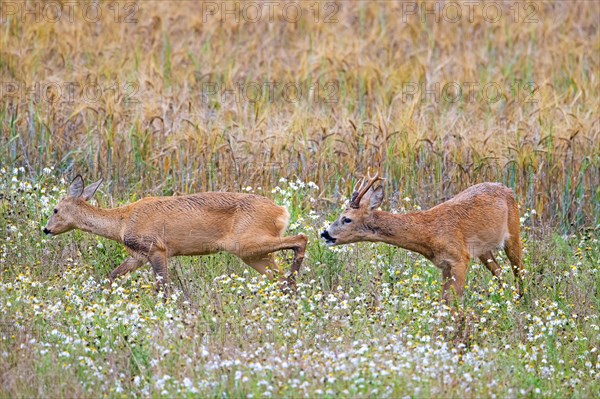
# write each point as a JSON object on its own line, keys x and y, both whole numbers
{"x": 287, "y": 285}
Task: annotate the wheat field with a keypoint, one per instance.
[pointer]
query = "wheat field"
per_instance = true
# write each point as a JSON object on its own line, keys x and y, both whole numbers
{"x": 295, "y": 100}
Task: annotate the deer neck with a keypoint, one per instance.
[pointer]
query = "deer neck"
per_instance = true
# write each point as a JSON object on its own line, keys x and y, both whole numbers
{"x": 409, "y": 231}
{"x": 107, "y": 223}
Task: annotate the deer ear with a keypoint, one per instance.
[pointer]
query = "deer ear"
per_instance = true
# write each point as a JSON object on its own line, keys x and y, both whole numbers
{"x": 90, "y": 190}
{"x": 76, "y": 187}
{"x": 376, "y": 198}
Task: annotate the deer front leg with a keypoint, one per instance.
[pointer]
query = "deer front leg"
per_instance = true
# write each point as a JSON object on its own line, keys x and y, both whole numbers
{"x": 447, "y": 284}
{"x": 130, "y": 264}
{"x": 455, "y": 276}
{"x": 489, "y": 261}
{"x": 158, "y": 260}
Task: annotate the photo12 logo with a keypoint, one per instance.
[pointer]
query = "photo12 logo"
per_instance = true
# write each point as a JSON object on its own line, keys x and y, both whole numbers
{"x": 270, "y": 92}
{"x": 12, "y": 332}
{"x": 69, "y": 11}
{"x": 274, "y": 168}
{"x": 470, "y": 11}
{"x": 271, "y": 11}
{"x": 468, "y": 92}
{"x": 69, "y": 92}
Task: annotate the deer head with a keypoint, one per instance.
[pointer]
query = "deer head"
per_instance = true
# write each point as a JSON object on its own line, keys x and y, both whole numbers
{"x": 68, "y": 210}
{"x": 354, "y": 223}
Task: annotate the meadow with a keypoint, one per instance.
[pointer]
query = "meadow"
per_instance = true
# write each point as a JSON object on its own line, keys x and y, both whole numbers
{"x": 296, "y": 103}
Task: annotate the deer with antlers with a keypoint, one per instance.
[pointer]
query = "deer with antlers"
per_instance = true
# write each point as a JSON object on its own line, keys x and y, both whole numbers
{"x": 154, "y": 229}
{"x": 474, "y": 223}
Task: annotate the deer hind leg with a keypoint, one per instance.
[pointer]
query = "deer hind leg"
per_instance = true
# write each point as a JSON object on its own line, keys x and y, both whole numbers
{"x": 158, "y": 260}
{"x": 266, "y": 264}
{"x": 273, "y": 244}
{"x": 130, "y": 264}
{"x": 512, "y": 247}
{"x": 299, "y": 252}
{"x": 489, "y": 261}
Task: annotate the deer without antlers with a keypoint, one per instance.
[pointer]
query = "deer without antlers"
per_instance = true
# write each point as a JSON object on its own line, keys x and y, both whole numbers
{"x": 154, "y": 229}
{"x": 475, "y": 222}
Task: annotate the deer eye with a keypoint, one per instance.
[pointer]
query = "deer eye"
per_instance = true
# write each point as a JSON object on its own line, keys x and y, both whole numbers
{"x": 55, "y": 210}
{"x": 346, "y": 220}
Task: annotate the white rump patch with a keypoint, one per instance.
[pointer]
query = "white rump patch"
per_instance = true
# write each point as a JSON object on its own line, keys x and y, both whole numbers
{"x": 478, "y": 246}
{"x": 283, "y": 221}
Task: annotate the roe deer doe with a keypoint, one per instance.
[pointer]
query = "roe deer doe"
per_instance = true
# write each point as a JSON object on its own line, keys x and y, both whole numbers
{"x": 156, "y": 228}
{"x": 475, "y": 222}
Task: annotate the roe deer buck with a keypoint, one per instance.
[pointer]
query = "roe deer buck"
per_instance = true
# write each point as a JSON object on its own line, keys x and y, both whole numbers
{"x": 478, "y": 220}
{"x": 156, "y": 228}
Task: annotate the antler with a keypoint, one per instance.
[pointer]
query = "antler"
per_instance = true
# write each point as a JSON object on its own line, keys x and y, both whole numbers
{"x": 358, "y": 194}
{"x": 357, "y": 187}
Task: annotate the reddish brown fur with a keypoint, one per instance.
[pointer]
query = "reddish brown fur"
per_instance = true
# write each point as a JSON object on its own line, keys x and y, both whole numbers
{"x": 477, "y": 221}
{"x": 156, "y": 228}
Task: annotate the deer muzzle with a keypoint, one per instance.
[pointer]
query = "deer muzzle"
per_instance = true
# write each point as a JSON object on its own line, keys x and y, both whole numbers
{"x": 329, "y": 240}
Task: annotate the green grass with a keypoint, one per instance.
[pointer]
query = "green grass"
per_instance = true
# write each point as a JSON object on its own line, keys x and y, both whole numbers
{"x": 366, "y": 321}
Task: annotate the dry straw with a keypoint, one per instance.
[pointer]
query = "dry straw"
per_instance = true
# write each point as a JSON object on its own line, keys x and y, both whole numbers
{"x": 176, "y": 110}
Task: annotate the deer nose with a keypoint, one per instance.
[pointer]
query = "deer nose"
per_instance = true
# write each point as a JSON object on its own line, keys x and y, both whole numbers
{"x": 325, "y": 235}
{"x": 46, "y": 231}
